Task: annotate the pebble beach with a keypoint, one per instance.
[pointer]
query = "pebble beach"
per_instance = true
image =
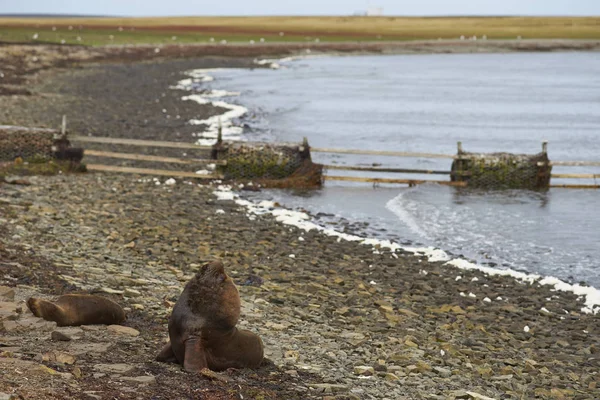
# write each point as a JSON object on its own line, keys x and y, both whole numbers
{"x": 340, "y": 319}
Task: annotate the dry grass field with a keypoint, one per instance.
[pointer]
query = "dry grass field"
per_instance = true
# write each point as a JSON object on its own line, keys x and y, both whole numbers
{"x": 102, "y": 31}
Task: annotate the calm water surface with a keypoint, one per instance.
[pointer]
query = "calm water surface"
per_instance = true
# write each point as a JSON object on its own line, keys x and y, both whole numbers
{"x": 426, "y": 103}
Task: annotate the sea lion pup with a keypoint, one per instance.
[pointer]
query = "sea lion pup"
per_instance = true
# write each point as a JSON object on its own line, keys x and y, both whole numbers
{"x": 78, "y": 309}
{"x": 202, "y": 326}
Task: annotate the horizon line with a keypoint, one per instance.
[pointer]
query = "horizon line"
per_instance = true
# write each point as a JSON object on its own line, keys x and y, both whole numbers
{"x": 58, "y": 15}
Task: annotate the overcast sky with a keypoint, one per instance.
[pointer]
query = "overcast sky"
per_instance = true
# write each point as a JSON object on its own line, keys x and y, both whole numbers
{"x": 300, "y": 7}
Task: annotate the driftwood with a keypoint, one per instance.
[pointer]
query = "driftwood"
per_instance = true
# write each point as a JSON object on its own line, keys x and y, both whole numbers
{"x": 150, "y": 171}
{"x": 144, "y": 157}
{"x": 381, "y": 153}
{"x": 409, "y": 182}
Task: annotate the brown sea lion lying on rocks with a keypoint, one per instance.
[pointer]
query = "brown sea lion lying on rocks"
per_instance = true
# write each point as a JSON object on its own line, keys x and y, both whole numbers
{"x": 78, "y": 309}
{"x": 202, "y": 326}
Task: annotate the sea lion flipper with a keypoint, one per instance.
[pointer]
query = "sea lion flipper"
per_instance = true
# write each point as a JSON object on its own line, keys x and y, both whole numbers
{"x": 167, "y": 354}
{"x": 47, "y": 310}
{"x": 195, "y": 355}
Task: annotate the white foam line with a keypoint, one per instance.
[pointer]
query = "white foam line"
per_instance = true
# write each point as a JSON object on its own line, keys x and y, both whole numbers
{"x": 219, "y": 93}
{"x": 208, "y": 136}
{"x": 395, "y": 205}
{"x": 195, "y": 76}
{"x": 302, "y": 221}
{"x": 274, "y": 63}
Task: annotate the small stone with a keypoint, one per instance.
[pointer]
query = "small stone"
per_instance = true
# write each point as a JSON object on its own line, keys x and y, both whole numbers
{"x": 422, "y": 366}
{"x": 443, "y": 372}
{"x": 291, "y": 355}
{"x": 132, "y": 293}
{"x": 6, "y": 396}
{"x": 477, "y": 396}
{"x": 411, "y": 368}
{"x": 145, "y": 379}
{"x": 276, "y": 326}
{"x": 292, "y": 372}
{"x": 364, "y": 370}
{"x": 50, "y": 371}
{"x": 328, "y": 388}
{"x": 92, "y": 328}
{"x": 391, "y": 377}
{"x": 58, "y": 356}
{"x": 77, "y": 372}
{"x": 111, "y": 291}
{"x": 10, "y": 326}
{"x": 407, "y": 313}
{"x": 60, "y": 337}
{"x": 380, "y": 366}
{"x": 213, "y": 376}
{"x": 7, "y": 293}
{"x": 123, "y": 330}
{"x": 114, "y": 368}
{"x": 447, "y": 308}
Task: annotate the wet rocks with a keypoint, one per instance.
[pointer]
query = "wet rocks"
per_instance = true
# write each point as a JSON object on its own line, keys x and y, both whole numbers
{"x": 338, "y": 319}
{"x": 123, "y": 330}
{"x": 316, "y": 313}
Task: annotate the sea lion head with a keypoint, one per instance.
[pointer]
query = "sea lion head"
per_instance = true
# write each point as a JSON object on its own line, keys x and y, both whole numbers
{"x": 214, "y": 271}
{"x": 213, "y": 295}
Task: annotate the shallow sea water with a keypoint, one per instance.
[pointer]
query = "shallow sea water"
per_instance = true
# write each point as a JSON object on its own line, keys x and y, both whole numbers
{"x": 426, "y": 103}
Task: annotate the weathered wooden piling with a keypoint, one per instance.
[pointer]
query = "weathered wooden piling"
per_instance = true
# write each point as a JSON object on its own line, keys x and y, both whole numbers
{"x": 26, "y": 143}
{"x": 502, "y": 170}
{"x": 36, "y": 144}
{"x": 270, "y": 163}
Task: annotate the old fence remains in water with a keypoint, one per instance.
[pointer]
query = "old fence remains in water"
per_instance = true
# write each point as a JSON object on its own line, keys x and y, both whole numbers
{"x": 290, "y": 165}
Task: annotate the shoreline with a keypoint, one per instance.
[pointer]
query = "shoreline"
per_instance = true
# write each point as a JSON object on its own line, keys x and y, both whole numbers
{"x": 300, "y": 220}
{"x": 28, "y": 59}
{"x": 338, "y": 319}
{"x": 303, "y": 221}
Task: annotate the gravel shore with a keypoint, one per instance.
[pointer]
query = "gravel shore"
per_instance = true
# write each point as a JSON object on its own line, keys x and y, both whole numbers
{"x": 340, "y": 320}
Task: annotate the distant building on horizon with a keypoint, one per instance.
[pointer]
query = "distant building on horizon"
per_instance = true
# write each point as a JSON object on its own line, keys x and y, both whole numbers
{"x": 371, "y": 12}
{"x": 374, "y": 12}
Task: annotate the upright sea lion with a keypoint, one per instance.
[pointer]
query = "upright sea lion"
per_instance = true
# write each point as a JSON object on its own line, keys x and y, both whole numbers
{"x": 78, "y": 309}
{"x": 202, "y": 326}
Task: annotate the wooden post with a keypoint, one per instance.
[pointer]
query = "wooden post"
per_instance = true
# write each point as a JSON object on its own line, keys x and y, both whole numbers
{"x": 544, "y": 147}
{"x": 304, "y": 143}
{"x": 460, "y": 149}
{"x": 63, "y": 128}
{"x": 220, "y": 133}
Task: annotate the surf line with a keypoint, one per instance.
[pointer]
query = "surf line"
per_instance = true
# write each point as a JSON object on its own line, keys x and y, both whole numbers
{"x": 225, "y": 121}
{"x": 589, "y": 294}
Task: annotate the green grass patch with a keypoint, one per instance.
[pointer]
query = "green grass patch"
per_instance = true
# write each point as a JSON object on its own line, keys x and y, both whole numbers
{"x": 118, "y": 31}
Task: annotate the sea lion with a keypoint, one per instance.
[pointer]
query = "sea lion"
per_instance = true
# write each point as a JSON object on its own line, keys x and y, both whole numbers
{"x": 202, "y": 328}
{"x": 78, "y": 309}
